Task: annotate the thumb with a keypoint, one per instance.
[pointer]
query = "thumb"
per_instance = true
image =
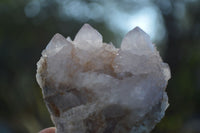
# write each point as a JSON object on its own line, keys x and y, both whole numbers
{"x": 48, "y": 130}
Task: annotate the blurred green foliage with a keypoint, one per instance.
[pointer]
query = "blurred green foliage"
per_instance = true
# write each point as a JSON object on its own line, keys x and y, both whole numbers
{"x": 23, "y": 38}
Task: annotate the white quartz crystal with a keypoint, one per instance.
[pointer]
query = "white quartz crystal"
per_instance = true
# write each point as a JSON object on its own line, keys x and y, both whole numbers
{"x": 92, "y": 87}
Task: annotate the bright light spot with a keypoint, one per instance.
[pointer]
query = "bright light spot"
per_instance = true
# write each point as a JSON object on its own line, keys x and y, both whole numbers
{"x": 148, "y": 19}
{"x": 32, "y": 9}
{"x": 145, "y": 19}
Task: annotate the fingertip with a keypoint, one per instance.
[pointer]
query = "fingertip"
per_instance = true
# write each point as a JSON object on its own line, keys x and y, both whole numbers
{"x": 48, "y": 130}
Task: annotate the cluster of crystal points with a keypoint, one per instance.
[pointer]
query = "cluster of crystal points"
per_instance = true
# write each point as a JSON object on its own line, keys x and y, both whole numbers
{"x": 92, "y": 87}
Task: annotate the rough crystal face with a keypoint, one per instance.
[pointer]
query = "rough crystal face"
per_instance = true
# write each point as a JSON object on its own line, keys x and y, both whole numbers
{"x": 92, "y": 87}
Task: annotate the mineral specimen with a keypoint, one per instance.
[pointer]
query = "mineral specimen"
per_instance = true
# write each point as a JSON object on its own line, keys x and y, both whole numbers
{"x": 92, "y": 87}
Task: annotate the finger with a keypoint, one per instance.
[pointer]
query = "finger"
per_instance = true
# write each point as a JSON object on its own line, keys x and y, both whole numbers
{"x": 48, "y": 130}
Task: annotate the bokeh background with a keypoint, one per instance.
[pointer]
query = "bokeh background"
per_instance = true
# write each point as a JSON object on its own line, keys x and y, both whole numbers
{"x": 26, "y": 27}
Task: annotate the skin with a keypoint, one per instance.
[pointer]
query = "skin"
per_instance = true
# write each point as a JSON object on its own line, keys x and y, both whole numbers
{"x": 48, "y": 130}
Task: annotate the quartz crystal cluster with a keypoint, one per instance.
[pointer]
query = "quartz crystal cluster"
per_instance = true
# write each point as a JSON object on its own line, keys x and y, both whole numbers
{"x": 92, "y": 87}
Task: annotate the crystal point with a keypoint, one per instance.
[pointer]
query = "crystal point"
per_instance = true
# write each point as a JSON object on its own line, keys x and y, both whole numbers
{"x": 137, "y": 40}
{"x": 56, "y": 44}
{"x": 87, "y": 35}
{"x": 92, "y": 87}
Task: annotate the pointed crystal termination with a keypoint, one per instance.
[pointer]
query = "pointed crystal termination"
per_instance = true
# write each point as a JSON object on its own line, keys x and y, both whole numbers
{"x": 137, "y": 40}
{"x": 92, "y": 87}
{"x": 88, "y": 36}
{"x": 56, "y": 44}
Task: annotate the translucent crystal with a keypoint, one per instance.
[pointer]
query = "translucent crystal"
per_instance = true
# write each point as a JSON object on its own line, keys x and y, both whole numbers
{"x": 92, "y": 87}
{"x": 88, "y": 37}
{"x": 136, "y": 41}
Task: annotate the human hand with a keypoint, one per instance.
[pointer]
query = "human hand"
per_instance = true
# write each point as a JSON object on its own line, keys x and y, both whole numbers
{"x": 48, "y": 130}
